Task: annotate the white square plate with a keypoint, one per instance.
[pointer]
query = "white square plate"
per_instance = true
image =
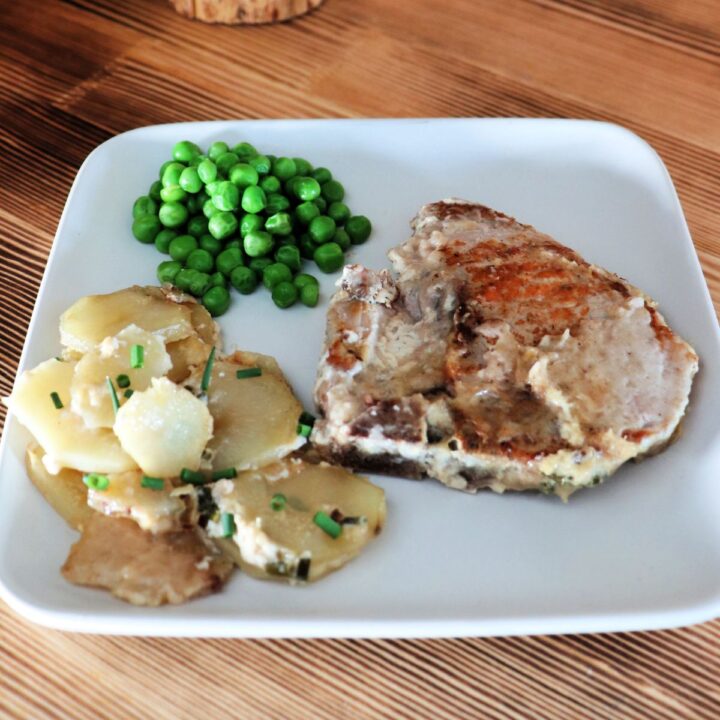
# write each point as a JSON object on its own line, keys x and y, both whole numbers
{"x": 640, "y": 552}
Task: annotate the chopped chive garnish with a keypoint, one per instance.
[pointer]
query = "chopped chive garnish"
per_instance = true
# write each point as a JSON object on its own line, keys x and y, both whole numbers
{"x": 303, "y": 569}
{"x": 307, "y": 418}
{"x": 152, "y": 482}
{"x": 128, "y": 393}
{"x": 137, "y": 356}
{"x": 192, "y": 476}
{"x": 248, "y": 373}
{"x": 56, "y": 401}
{"x": 227, "y": 522}
{"x": 113, "y": 395}
{"x": 123, "y": 381}
{"x": 304, "y": 430}
{"x": 226, "y": 473}
{"x": 207, "y": 373}
{"x": 277, "y": 502}
{"x": 59, "y": 359}
{"x": 327, "y": 524}
{"x": 96, "y": 481}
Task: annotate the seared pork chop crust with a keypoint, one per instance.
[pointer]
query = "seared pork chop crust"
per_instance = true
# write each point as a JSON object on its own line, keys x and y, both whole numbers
{"x": 496, "y": 358}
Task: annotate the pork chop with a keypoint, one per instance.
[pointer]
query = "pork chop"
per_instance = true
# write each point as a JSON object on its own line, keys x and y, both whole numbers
{"x": 498, "y": 358}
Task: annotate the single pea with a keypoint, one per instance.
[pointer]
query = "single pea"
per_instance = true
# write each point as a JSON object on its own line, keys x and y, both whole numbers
{"x": 284, "y": 294}
{"x": 261, "y": 163}
{"x": 216, "y": 300}
{"x": 243, "y": 175}
{"x": 173, "y": 214}
{"x": 190, "y": 180}
{"x": 287, "y": 240}
{"x": 322, "y": 175}
{"x": 226, "y": 197}
{"x": 243, "y": 279}
{"x": 181, "y": 247}
{"x": 184, "y": 151}
{"x": 212, "y": 187}
{"x": 257, "y": 243}
{"x": 211, "y": 244}
{"x": 303, "y": 279}
{"x": 167, "y": 270}
{"x": 245, "y": 150}
{"x": 144, "y": 205}
{"x": 163, "y": 238}
{"x": 322, "y": 229}
{"x": 279, "y": 224}
{"x": 258, "y": 265}
{"x": 270, "y": 184}
{"x": 250, "y": 223}
{"x": 207, "y": 171}
{"x": 225, "y": 162}
{"x": 217, "y": 149}
{"x": 307, "y": 246}
{"x": 358, "y": 227}
{"x": 289, "y": 255}
{"x": 195, "y": 202}
{"x": 154, "y": 191}
{"x": 329, "y": 257}
{"x": 307, "y": 188}
{"x": 164, "y": 167}
{"x": 173, "y": 194}
{"x": 171, "y": 174}
{"x": 342, "y": 239}
{"x": 284, "y": 168}
{"x": 217, "y": 279}
{"x": 309, "y": 295}
{"x": 145, "y": 228}
{"x": 228, "y": 260}
{"x": 289, "y": 187}
{"x": 339, "y": 212}
{"x": 333, "y": 191}
{"x": 209, "y": 209}
{"x": 276, "y": 273}
{"x": 184, "y": 279}
{"x": 306, "y": 212}
{"x": 195, "y": 162}
{"x": 222, "y": 225}
{"x": 276, "y": 203}
{"x": 234, "y": 243}
{"x": 273, "y": 158}
{"x": 199, "y": 284}
{"x": 201, "y": 260}
{"x": 197, "y": 226}
{"x": 253, "y": 199}
{"x": 302, "y": 167}
{"x": 321, "y": 204}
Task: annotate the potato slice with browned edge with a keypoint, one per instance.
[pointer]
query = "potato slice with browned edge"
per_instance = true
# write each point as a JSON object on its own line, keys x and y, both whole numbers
{"x": 142, "y": 568}
{"x": 187, "y": 355}
{"x": 279, "y": 538}
{"x": 60, "y": 432}
{"x": 65, "y": 492}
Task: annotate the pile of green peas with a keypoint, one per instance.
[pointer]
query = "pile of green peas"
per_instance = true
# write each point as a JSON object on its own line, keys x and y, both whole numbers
{"x": 235, "y": 218}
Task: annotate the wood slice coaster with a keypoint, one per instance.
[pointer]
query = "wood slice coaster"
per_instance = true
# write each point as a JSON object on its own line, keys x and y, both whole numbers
{"x": 243, "y": 12}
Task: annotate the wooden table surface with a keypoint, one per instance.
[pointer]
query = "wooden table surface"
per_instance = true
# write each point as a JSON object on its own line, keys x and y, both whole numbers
{"x": 74, "y": 73}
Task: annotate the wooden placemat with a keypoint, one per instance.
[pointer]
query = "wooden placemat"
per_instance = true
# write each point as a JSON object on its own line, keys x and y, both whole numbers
{"x": 74, "y": 73}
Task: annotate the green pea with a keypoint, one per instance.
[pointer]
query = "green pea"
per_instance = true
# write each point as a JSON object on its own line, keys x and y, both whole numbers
{"x": 164, "y": 167}
{"x": 172, "y": 194}
{"x": 167, "y": 270}
{"x": 257, "y": 243}
{"x": 279, "y": 224}
{"x": 307, "y": 246}
{"x": 276, "y": 203}
{"x": 226, "y": 161}
{"x": 197, "y": 226}
{"x": 173, "y": 214}
{"x": 339, "y": 212}
{"x": 333, "y": 191}
{"x": 289, "y": 255}
{"x": 309, "y": 295}
{"x": 322, "y": 175}
{"x": 212, "y": 187}
{"x": 307, "y": 188}
{"x": 284, "y": 168}
{"x": 287, "y": 240}
{"x": 184, "y": 151}
{"x": 329, "y": 257}
{"x": 211, "y": 244}
{"x": 228, "y": 260}
{"x": 303, "y": 279}
{"x": 243, "y": 279}
{"x": 209, "y": 209}
{"x": 276, "y": 273}
{"x": 306, "y": 212}
{"x": 201, "y": 260}
{"x": 154, "y": 191}
{"x": 207, "y": 171}
{"x": 184, "y": 278}
{"x": 199, "y": 284}
{"x": 251, "y": 223}
{"x": 342, "y": 239}
{"x": 358, "y": 227}
{"x": 195, "y": 202}
{"x": 217, "y": 149}
{"x": 234, "y": 243}
{"x": 289, "y": 187}
{"x": 270, "y": 184}
{"x": 197, "y": 160}
{"x": 181, "y": 247}
{"x": 190, "y": 180}
{"x": 302, "y": 167}
{"x": 259, "y": 264}
{"x": 243, "y": 175}
{"x": 145, "y": 228}
{"x": 216, "y": 300}
{"x": 245, "y": 150}
{"x": 253, "y": 199}
{"x": 144, "y": 205}
{"x": 171, "y": 174}
{"x": 222, "y": 225}
{"x": 322, "y": 229}
{"x": 284, "y": 294}
{"x": 226, "y": 197}
{"x": 261, "y": 163}
{"x": 217, "y": 279}
{"x": 163, "y": 238}
{"x": 321, "y": 204}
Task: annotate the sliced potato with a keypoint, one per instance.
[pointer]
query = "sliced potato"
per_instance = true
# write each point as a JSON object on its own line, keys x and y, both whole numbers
{"x": 203, "y": 324}
{"x": 90, "y": 396}
{"x": 272, "y": 543}
{"x": 255, "y": 418}
{"x": 142, "y": 568}
{"x": 164, "y": 429}
{"x": 156, "y": 511}
{"x": 95, "y": 317}
{"x": 62, "y": 433}
{"x": 65, "y": 491}
{"x": 187, "y": 355}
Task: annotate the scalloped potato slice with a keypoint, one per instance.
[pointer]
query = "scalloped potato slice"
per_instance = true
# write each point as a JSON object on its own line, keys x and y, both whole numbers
{"x": 255, "y": 418}
{"x": 62, "y": 433}
{"x": 164, "y": 429}
{"x": 186, "y": 356}
{"x": 204, "y": 325}
{"x": 274, "y": 544}
{"x": 93, "y": 318}
{"x": 90, "y": 396}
